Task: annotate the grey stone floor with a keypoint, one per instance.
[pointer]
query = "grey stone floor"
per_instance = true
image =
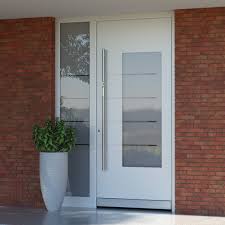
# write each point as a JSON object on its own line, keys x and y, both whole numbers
{"x": 72, "y": 216}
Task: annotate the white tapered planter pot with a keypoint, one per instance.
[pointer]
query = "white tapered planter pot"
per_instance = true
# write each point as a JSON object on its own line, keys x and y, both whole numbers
{"x": 53, "y": 178}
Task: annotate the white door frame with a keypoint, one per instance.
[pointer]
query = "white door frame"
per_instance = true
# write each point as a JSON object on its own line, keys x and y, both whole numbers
{"x": 91, "y": 200}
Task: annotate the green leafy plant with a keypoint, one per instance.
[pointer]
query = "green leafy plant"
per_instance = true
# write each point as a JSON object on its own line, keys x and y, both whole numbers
{"x": 54, "y": 136}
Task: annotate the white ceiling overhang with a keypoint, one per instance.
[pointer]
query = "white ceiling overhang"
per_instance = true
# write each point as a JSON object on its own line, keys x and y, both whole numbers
{"x": 77, "y": 8}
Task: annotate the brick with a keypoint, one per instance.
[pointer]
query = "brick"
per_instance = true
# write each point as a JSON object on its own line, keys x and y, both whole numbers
{"x": 27, "y": 56}
{"x": 200, "y": 107}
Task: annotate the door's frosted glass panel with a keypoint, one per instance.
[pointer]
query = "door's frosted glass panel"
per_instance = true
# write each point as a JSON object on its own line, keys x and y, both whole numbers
{"x": 79, "y": 171}
{"x": 142, "y": 156}
{"x": 74, "y": 74}
{"x": 145, "y": 109}
{"x": 74, "y": 49}
{"x": 141, "y": 133}
{"x": 141, "y": 88}
{"x": 75, "y": 109}
{"x": 75, "y": 87}
{"x": 142, "y": 63}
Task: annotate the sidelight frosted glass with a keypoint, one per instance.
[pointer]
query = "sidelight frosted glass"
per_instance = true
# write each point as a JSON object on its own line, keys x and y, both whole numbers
{"x": 75, "y": 109}
{"x": 141, "y": 77}
{"x": 74, "y": 49}
{"x": 79, "y": 163}
{"x": 82, "y": 132}
{"x": 75, "y": 85}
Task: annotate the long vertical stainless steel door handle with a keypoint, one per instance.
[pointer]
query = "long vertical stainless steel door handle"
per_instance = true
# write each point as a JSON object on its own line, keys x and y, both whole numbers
{"x": 104, "y": 108}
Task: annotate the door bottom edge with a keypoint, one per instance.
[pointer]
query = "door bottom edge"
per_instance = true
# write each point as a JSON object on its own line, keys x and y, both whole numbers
{"x": 134, "y": 203}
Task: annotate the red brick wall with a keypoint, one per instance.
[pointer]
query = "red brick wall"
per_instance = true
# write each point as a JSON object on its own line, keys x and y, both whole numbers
{"x": 200, "y": 111}
{"x": 26, "y": 97}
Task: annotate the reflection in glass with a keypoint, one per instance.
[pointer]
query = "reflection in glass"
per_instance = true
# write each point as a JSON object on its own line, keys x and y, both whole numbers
{"x": 141, "y": 77}
{"x": 74, "y": 71}
{"x": 74, "y": 49}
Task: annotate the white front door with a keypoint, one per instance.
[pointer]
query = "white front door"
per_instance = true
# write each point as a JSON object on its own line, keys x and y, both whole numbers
{"x": 134, "y": 113}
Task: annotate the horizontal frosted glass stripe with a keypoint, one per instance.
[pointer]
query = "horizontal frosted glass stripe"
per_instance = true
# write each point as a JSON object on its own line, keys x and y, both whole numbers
{"x": 75, "y": 87}
{"x": 144, "y": 109}
{"x": 75, "y": 109}
{"x": 142, "y": 156}
{"x": 82, "y": 132}
{"x": 141, "y": 63}
{"x": 138, "y": 133}
{"x": 141, "y": 86}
